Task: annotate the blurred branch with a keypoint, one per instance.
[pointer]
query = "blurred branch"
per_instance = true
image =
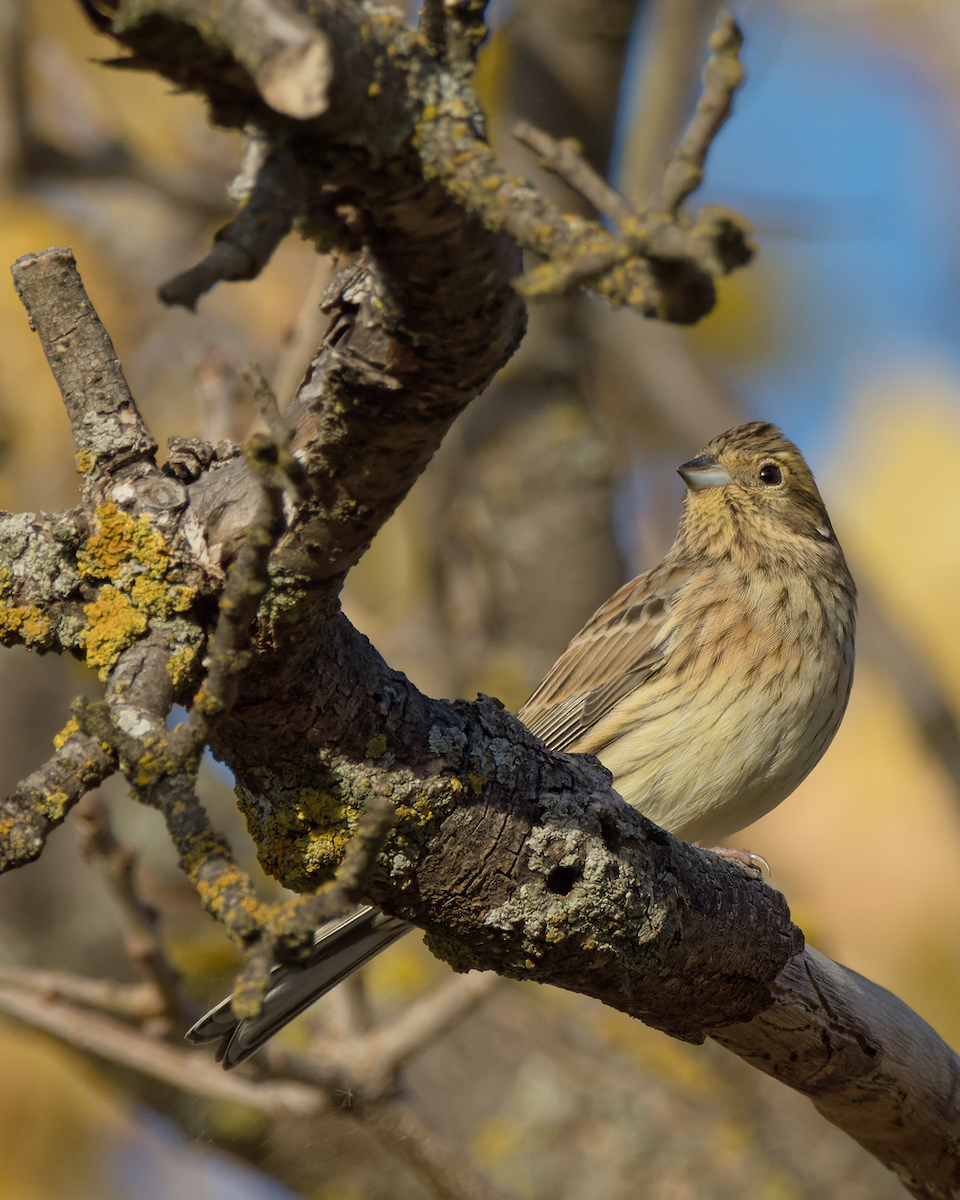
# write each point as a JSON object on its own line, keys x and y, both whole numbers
{"x": 429, "y": 1016}
{"x": 12, "y": 98}
{"x": 434, "y": 1159}
{"x": 306, "y": 336}
{"x": 354, "y": 1053}
{"x": 140, "y": 1000}
{"x": 880, "y": 638}
{"x": 118, "y": 1043}
{"x": 451, "y": 1174}
{"x": 143, "y": 941}
{"x": 671, "y": 57}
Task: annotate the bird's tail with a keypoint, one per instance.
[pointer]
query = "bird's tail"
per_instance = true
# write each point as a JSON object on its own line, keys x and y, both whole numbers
{"x": 340, "y": 947}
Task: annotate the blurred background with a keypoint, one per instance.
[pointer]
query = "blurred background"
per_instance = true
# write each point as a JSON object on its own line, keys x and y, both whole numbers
{"x": 554, "y": 487}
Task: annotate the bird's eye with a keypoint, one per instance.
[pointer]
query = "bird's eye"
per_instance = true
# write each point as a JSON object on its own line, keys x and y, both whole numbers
{"x": 771, "y": 475}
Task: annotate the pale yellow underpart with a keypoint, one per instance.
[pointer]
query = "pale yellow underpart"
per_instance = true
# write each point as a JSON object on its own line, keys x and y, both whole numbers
{"x": 707, "y": 750}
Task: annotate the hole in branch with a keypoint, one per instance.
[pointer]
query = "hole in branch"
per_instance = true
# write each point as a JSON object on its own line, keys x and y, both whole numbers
{"x": 561, "y": 880}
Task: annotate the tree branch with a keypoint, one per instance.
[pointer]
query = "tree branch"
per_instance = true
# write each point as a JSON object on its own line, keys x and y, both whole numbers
{"x": 116, "y": 1042}
{"x": 869, "y": 1064}
{"x": 141, "y": 1001}
{"x": 43, "y": 799}
{"x": 109, "y": 434}
{"x": 143, "y": 941}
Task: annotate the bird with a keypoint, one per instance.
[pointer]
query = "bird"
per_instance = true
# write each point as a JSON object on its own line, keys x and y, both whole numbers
{"x": 709, "y": 686}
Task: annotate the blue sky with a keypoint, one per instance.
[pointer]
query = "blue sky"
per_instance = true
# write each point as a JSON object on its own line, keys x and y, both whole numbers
{"x": 840, "y": 152}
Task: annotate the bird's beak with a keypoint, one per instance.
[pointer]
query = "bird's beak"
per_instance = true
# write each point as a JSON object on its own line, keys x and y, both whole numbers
{"x": 704, "y": 472}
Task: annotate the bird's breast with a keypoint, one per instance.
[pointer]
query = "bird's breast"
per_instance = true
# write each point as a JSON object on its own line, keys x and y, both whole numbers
{"x": 757, "y": 673}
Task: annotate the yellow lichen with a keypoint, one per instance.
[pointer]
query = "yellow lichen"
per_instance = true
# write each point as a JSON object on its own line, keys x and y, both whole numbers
{"x": 66, "y": 733}
{"x": 114, "y": 624}
{"x": 85, "y": 462}
{"x": 138, "y": 568}
{"x": 28, "y": 623}
{"x": 181, "y": 664}
{"x": 320, "y": 808}
{"x": 54, "y": 806}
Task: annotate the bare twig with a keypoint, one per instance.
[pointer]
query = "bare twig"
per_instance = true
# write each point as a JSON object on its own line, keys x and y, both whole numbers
{"x": 346, "y": 1015}
{"x": 267, "y": 404}
{"x": 452, "y": 1175}
{"x": 144, "y": 943}
{"x": 306, "y": 336}
{"x": 242, "y": 248}
{"x": 429, "y": 1016}
{"x": 716, "y": 241}
{"x": 351, "y": 1052}
{"x": 564, "y": 156}
{"x": 139, "y": 1000}
{"x": 722, "y": 76}
{"x": 118, "y": 1043}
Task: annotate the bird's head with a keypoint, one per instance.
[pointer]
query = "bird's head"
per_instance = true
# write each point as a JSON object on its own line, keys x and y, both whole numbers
{"x": 751, "y": 486}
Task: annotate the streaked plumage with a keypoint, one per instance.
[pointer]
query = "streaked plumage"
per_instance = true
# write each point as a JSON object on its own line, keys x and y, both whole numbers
{"x": 712, "y": 684}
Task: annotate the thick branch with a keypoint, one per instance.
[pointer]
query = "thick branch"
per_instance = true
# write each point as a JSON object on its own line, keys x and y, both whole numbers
{"x": 868, "y": 1063}
{"x": 521, "y": 862}
{"x": 512, "y": 859}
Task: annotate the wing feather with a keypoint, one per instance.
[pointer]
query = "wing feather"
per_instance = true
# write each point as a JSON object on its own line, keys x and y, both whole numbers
{"x": 621, "y": 646}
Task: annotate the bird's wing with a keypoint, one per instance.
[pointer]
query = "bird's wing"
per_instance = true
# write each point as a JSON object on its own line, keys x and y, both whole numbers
{"x": 620, "y": 647}
{"x": 341, "y": 946}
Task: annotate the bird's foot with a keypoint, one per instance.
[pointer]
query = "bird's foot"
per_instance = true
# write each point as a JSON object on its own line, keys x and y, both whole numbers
{"x": 746, "y": 858}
